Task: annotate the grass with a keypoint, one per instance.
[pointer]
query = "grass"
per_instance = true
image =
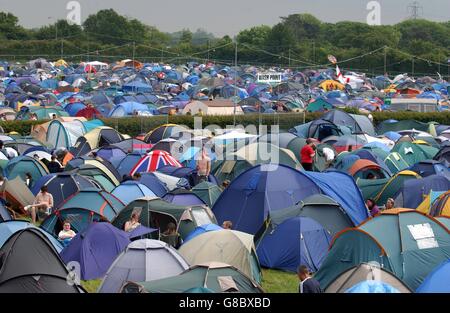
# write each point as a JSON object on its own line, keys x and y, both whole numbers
{"x": 273, "y": 282}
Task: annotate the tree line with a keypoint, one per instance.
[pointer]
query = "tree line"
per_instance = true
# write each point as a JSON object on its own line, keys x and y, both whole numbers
{"x": 299, "y": 41}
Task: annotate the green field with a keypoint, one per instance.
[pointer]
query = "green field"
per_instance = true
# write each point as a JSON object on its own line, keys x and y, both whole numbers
{"x": 273, "y": 281}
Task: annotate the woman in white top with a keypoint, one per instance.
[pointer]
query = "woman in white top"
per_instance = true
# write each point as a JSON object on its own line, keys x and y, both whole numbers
{"x": 133, "y": 223}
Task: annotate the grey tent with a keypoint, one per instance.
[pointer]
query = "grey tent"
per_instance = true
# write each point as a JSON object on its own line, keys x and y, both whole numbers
{"x": 143, "y": 260}
{"x": 357, "y": 123}
{"x": 217, "y": 277}
{"x": 364, "y": 272}
{"x": 279, "y": 139}
{"x": 30, "y": 264}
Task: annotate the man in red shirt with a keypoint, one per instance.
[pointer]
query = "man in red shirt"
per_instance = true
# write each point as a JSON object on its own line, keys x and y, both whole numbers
{"x": 307, "y": 155}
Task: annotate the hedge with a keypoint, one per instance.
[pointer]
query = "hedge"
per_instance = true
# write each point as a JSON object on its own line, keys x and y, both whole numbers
{"x": 134, "y": 126}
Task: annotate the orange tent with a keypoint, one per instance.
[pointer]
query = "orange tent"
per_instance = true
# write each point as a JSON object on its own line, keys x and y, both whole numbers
{"x": 363, "y": 164}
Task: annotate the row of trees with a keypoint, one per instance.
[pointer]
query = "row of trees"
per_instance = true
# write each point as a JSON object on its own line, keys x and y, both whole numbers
{"x": 298, "y": 40}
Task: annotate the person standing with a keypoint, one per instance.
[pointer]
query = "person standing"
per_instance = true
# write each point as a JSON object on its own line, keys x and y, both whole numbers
{"x": 203, "y": 167}
{"x": 307, "y": 154}
{"x": 307, "y": 284}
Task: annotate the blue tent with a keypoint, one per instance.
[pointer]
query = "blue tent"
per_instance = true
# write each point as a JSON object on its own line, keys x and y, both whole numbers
{"x": 372, "y": 286}
{"x": 202, "y": 229}
{"x": 131, "y": 190}
{"x": 250, "y": 197}
{"x": 4, "y": 214}
{"x": 125, "y": 165}
{"x": 154, "y": 184}
{"x": 430, "y": 167}
{"x": 297, "y": 240}
{"x": 8, "y": 228}
{"x": 183, "y": 197}
{"x": 438, "y": 281}
{"x": 137, "y": 86}
{"x": 414, "y": 191}
{"x": 127, "y": 108}
{"x": 394, "y": 136}
{"x": 95, "y": 249}
{"x": 73, "y": 108}
{"x": 111, "y": 153}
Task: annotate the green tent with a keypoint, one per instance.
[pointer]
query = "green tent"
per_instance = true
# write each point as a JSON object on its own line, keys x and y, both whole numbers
{"x": 21, "y": 165}
{"x": 296, "y": 145}
{"x": 394, "y": 184}
{"x": 395, "y": 162}
{"x": 217, "y": 277}
{"x": 387, "y": 126}
{"x": 157, "y": 213}
{"x": 413, "y": 153}
{"x": 99, "y": 177}
{"x": 405, "y": 242}
{"x": 208, "y": 192}
{"x": 370, "y": 188}
{"x": 319, "y": 105}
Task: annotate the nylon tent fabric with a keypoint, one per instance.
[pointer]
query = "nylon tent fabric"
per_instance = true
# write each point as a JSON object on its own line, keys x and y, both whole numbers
{"x": 30, "y": 264}
{"x": 394, "y": 184}
{"x": 21, "y": 165}
{"x": 8, "y": 228}
{"x": 183, "y": 197}
{"x": 157, "y": 213}
{"x": 154, "y": 184}
{"x": 297, "y": 240}
{"x": 133, "y": 145}
{"x": 413, "y": 192}
{"x": 125, "y": 165}
{"x": 240, "y": 251}
{"x": 321, "y": 208}
{"x": 393, "y": 240}
{"x": 103, "y": 165}
{"x": 4, "y": 213}
{"x": 64, "y": 134}
{"x": 319, "y": 129}
{"x": 98, "y": 177}
{"x": 163, "y": 132}
{"x": 95, "y": 249}
{"x": 17, "y": 193}
{"x": 443, "y": 156}
{"x": 143, "y": 260}
{"x": 364, "y": 272}
{"x": 217, "y": 277}
{"x": 441, "y": 206}
{"x": 249, "y": 199}
{"x": 208, "y": 192}
{"x": 414, "y": 153}
{"x": 62, "y": 185}
{"x": 430, "y": 167}
{"x": 362, "y": 168}
{"x": 186, "y": 173}
{"x": 95, "y": 138}
{"x": 153, "y": 161}
{"x": 111, "y": 153}
{"x": 131, "y": 190}
{"x": 387, "y": 126}
{"x": 343, "y": 189}
{"x": 201, "y": 230}
{"x": 371, "y": 286}
{"x": 437, "y": 280}
{"x": 357, "y": 123}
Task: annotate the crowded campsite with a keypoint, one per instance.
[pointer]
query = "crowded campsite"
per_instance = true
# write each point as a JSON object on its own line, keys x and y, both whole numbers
{"x": 360, "y": 201}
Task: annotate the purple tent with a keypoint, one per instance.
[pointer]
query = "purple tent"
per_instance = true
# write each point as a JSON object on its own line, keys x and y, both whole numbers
{"x": 95, "y": 249}
{"x": 183, "y": 197}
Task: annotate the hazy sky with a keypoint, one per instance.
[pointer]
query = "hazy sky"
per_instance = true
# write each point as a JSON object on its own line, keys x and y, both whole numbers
{"x": 222, "y": 16}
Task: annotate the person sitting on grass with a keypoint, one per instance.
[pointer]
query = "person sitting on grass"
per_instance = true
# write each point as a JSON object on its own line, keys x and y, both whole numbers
{"x": 43, "y": 201}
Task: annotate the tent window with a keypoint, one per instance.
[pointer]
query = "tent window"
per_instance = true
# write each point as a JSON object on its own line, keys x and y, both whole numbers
{"x": 227, "y": 284}
{"x": 201, "y": 217}
{"x": 424, "y": 236}
{"x": 228, "y": 166}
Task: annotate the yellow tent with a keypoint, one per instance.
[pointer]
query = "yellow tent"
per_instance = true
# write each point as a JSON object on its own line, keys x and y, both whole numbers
{"x": 329, "y": 85}
{"x": 61, "y": 63}
{"x": 439, "y": 207}
{"x": 421, "y": 142}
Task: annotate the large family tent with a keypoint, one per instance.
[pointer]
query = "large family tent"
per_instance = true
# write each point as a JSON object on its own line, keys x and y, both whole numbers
{"x": 9, "y": 228}
{"x": 95, "y": 249}
{"x": 413, "y": 192}
{"x": 65, "y": 134}
{"x": 163, "y": 132}
{"x": 393, "y": 186}
{"x": 128, "y": 191}
{"x": 82, "y": 209}
{"x": 215, "y": 276}
{"x": 143, "y": 260}
{"x": 210, "y": 247}
{"x": 437, "y": 281}
{"x": 357, "y": 123}
{"x": 363, "y": 272}
{"x": 250, "y": 155}
{"x": 30, "y": 264}
{"x": 293, "y": 241}
{"x": 62, "y": 185}
{"x": 157, "y": 213}
{"x": 208, "y": 192}
{"x": 153, "y": 161}
{"x": 405, "y": 242}
{"x": 97, "y": 137}
{"x": 21, "y": 165}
